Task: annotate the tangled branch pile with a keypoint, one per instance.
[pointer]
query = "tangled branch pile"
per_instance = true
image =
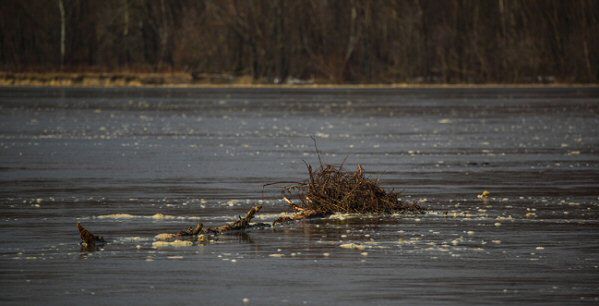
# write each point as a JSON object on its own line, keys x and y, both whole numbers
{"x": 332, "y": 190}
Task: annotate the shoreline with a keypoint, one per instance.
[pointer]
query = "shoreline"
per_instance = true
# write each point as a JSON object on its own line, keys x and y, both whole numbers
{"x": 185, "y": 80}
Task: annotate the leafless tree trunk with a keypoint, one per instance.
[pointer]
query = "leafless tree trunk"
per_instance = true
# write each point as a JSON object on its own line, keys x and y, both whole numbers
{"x": 163, "y": 34}
{"x": 126, "y": 18}
{"x": 63, "y": 32}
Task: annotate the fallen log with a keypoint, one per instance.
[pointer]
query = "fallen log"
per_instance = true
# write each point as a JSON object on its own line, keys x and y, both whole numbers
{"x": 304, "y": 214}
{"x": 200, "y": 231}
{"x": 191, "y": 231}
{"x": 239, "y": 225}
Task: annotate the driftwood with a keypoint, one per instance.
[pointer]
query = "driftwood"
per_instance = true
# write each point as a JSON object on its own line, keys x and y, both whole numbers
{"x": 239, "y": 225}
{"x": 90, "y": 241}
{"x": 300, "y": 213}
{"x": 191, "y": 231}
{"x": 200, "y": 231}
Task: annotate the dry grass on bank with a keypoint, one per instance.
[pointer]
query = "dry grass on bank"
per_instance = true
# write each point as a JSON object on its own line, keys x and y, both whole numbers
{"x": 181, "y": 79}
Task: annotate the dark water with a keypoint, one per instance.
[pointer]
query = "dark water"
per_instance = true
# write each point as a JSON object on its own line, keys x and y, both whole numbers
{"x": 132, "y": 163}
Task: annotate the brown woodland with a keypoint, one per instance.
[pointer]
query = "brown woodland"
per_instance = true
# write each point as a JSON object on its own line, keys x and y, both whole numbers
{"x": 333, "y": 41}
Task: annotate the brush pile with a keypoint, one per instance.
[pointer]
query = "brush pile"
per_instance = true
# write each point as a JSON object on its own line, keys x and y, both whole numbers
{"x": 332, "y": 190}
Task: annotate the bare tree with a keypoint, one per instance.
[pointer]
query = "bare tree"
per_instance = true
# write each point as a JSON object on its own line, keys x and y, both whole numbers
{"x": 63, "y": 33}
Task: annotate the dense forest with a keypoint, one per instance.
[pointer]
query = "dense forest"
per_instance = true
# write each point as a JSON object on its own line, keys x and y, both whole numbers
{"x": 335, "y": 41}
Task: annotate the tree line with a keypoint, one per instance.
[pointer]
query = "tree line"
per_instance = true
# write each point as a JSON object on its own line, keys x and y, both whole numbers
{"x": 338, "y": 41}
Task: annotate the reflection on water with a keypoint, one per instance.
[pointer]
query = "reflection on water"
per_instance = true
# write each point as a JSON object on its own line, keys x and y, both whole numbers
{"x": 132, "y": 163}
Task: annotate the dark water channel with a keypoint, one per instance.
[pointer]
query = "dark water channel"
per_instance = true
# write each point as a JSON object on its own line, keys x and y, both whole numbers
{"x": 132, "y": 163}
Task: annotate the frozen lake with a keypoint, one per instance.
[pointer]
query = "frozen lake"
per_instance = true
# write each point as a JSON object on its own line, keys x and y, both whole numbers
{"x": 131, "y": 163}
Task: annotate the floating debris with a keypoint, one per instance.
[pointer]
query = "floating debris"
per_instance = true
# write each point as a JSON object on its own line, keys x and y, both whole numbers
{"x": 176, "y": 243}
{"x": 239, "y": 225}
{"x": 331, "y": 190}
{"x": 191, "y": 231}
{"x": 116, "y": 216}
{"x": 160, "y": 216}
{"x": 200, "y": 232}
{"x": 530, "y": 215}
{"x": 182, "y": 238}
{"x": 165, "y": 236}
{"x": 502, "y": 218}
{"x": 344, "y": 216}
{"x": 484, "y": 195}
{"x": 90, "y": 241}
{"x": 353, "y": 246}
